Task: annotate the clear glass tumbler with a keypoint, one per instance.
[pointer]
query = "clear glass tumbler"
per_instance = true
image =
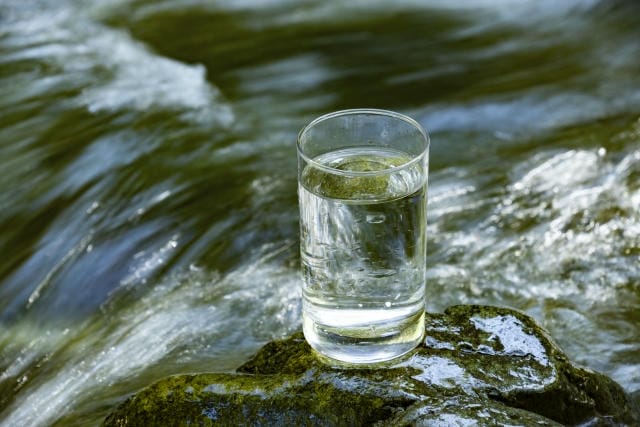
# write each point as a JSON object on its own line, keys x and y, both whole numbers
{"x": 362, "y": 187}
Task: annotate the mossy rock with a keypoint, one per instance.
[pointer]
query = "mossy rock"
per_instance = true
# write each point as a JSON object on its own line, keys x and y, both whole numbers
{"x": 478, "y": 365}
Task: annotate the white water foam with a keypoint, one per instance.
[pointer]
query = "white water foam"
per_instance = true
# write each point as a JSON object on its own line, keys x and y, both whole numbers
{"x": 114, "y": 71}
{"x": 579, "y": 184}
{"x": 562, "y": 193}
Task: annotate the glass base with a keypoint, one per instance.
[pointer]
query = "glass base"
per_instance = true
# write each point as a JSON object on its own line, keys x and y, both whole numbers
{"x": 365, "y": 344}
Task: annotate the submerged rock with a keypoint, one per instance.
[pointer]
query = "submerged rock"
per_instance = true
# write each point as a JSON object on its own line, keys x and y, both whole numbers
{"x": 478, "y": 365}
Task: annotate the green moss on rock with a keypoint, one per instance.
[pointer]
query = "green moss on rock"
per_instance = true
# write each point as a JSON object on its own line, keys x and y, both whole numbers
{"x": 483, "y": 364}
{"x": 465, "y": 411}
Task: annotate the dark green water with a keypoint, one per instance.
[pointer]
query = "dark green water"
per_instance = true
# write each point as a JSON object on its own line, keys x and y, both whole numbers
{"x": 148, "y": 208}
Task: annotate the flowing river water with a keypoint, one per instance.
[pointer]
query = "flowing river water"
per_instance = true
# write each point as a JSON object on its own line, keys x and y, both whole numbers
{"x": 148, "y": 207}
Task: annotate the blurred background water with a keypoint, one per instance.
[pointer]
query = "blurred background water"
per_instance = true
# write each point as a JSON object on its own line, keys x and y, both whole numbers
{"x": 148, "y": 208}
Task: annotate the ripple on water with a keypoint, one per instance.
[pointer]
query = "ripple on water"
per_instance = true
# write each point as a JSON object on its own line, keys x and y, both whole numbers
{"x": 190, "y": 320}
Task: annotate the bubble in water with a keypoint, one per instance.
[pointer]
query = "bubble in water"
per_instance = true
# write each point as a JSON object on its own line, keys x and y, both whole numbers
{"x": 375, "y": 218}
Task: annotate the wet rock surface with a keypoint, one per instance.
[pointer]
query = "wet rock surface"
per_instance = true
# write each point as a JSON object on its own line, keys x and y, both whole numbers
{"x": 478, "y": 365}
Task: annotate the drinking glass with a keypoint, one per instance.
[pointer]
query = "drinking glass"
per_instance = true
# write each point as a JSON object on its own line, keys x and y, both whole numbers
{"x": 362, "y": 187}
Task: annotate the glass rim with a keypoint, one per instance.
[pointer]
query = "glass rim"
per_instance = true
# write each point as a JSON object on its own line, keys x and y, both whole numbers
{"x": 369, "y": 111}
